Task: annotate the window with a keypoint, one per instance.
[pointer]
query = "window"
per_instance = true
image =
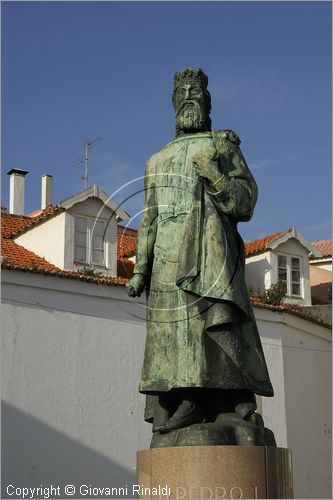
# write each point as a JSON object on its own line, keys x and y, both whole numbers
{"x": 289, "y": 273}
{"x": 97, "y": 243}
{"x": 282, "y": 270}
{"x": 89, "y": 241}
{"x": 81, "y": 237}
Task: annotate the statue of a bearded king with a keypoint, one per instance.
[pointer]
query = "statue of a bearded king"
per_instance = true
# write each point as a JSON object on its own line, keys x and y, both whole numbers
{"x": 203, "y": 361}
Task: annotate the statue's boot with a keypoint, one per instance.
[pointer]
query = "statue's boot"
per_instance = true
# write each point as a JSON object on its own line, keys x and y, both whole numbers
{"x": 245, "y": 404}
{"x": 188, "y": 413}
{"x": 161, "y": 412}
{"x": 245, "y": 410}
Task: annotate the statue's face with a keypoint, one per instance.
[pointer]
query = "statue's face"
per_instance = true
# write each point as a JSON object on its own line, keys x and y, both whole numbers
{"x": 190, "y": 106}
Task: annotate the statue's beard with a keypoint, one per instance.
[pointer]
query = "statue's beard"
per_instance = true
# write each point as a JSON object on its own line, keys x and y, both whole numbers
{"x": 190, "y": 117}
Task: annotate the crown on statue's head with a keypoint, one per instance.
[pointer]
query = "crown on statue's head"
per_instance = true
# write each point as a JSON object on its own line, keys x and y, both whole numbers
{"x": 189, "y": 74}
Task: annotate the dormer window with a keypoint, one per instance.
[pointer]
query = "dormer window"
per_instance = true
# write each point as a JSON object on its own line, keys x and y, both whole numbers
{"x": 289, "y": 273}
{"x": 89, "y": 241}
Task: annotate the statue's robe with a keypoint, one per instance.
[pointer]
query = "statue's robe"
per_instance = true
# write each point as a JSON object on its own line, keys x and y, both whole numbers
{"x": 201, "y": 330}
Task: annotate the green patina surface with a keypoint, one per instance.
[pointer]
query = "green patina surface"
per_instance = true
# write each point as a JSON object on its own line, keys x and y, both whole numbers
{"x": 201, "y": 331}
{"x": 189, "y": 247}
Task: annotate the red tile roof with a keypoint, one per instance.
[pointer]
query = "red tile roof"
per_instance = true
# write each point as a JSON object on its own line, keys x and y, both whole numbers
{"x": 12, "y": 223}
{"x": 125, "y": 268}
{"x": 292, "y": 309}
{"x": 45, "y": 214}
{"x": 14, "y": 254}
{"x": 324, "y": 247}
{"x": 260, "y": 245}
{"x": 101, "y": 279}
{"x": 126, "y": 241}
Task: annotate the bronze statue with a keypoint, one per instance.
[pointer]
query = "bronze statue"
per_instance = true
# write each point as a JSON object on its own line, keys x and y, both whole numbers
{"x": 203, "y": 360}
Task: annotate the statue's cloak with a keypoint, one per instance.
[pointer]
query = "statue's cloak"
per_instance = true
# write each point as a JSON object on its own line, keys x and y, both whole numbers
{"x": 201, "y": 331}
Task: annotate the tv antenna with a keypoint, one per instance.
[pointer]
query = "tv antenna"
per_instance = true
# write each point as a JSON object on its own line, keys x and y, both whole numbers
{"x": 87, "y": 145}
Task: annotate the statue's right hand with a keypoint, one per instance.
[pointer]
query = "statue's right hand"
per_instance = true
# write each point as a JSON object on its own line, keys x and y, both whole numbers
{"x": 136, "y": 285}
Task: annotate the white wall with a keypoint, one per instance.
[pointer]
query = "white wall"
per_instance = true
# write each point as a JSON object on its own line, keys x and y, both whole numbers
{"x": 71, "y": 362}
{"x": 258, "y": 272}
{"x": 47, "y": 240}
{"x": 298, "y": 355}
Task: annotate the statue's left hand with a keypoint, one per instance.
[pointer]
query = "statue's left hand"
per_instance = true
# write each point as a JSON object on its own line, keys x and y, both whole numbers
{"x": 136, "y": 285}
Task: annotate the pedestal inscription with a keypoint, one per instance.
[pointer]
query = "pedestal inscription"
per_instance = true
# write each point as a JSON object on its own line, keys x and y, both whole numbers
{"x": 215, "y": 472}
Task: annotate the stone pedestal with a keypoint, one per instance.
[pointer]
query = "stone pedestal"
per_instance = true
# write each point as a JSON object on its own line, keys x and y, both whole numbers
{"x": 214, "y": 472}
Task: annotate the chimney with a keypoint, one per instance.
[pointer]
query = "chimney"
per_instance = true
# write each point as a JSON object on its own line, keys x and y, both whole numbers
{"x": 16, "y": 190}
{"x": 46, "y": 191}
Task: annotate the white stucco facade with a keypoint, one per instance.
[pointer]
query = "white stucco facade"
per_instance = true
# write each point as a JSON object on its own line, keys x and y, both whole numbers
{"x": 71, "y": 361}
{"x": 47, "y": 240}
{"x": 298, "y": 356}
{"x": 258, "y": 272}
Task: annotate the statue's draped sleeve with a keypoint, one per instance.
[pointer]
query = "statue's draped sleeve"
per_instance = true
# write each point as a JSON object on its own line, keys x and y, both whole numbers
{"x": 147, "y": 231}
{"x": 236, "y": 191}
{"x": 212, "y": 264}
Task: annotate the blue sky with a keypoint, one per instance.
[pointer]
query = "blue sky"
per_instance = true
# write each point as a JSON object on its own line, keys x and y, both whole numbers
{"x": 73, "y": 71}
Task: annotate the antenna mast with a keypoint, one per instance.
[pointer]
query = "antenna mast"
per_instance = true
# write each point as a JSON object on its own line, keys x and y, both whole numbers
{"x": 87, "y": 146}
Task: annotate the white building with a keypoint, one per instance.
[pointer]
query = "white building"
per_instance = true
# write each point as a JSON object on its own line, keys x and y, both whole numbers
{"x": 283, "y": 257}
{"x": 79, "y": 231}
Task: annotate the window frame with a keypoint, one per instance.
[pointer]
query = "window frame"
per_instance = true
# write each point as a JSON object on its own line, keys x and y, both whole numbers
{"x": 289, "y": 270}
{"x": 77, "y": 261}
{"x": 90, "y": 222}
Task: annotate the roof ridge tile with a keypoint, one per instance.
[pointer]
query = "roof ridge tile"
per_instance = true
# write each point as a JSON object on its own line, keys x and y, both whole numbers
{"x": 259, "y": 245}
